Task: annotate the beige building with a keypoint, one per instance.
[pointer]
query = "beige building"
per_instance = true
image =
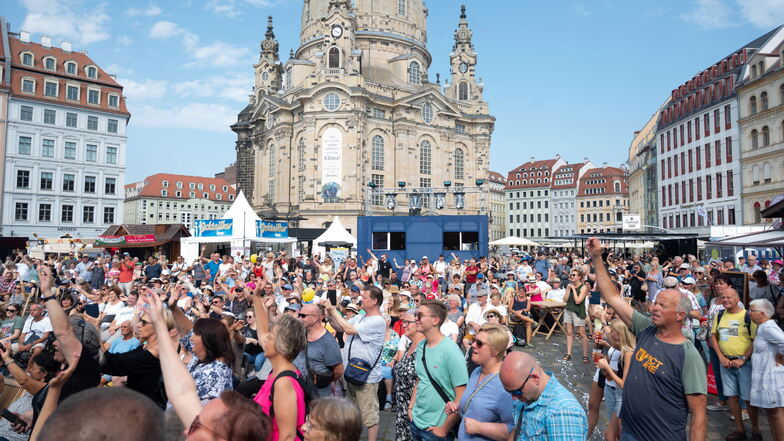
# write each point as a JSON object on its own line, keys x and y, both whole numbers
{"x": 164, "y": 198}
{"x": 602, "y": 200}
{"x": 642, "y": 173}
{"x": 761, "y": 102}
{"x": 355, "y": 104}
{"x": 497, "y": 206}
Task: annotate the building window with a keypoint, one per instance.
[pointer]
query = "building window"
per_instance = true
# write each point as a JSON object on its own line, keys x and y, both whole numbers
{"x": 88, "y": 215}
{"x": 378, "y": 180}
{"x": 47, "y": 148}
{"x": 70, "y": 150}
{"x": 425, "y": 183}
{"x": 414, "y": 73}
{"x": 462, "y": 91}
{"x": 300, "y": 158}
{"x": 765, "y": 136}
{"x": 108, "y": 215}
{"x": 754, "y": 139}
{"x": 114, "y": 101}
{"x": 93, "y": 96}
{"x": 45, "y": 212}
{"x": 92, "y": 123}
{"x": 28, "y": 86}
{"x": 110, "y": 186}
{"x": 753, "y": 105}
{"x": 334, "y": 57}
{"x": 91, "y": 153}
{"x": 89, "y": 184}
{"x": 271, "y": 161}
{"x": 460, "y": 128}
{"x": 20, "y": 211}
{"x": 331, "y": 101}
{"x": 424, "y": 157}
{"x": 70, "y": 68}
{"x": 377, "y": 113}
{"x": 26, "y": 113}
{"x": 377, "y": 153}
{"x": 49, "y": 116}
{"x": 764, "y": 101}
{"x": 178, "y": 194}
{"x": 50, "y": 89}
{"x": 72, "y": 93}
{"x": 22, "y": 179}
{"x": 164, "y": 193}
{"x": 727, "y": 117}
{"x": 27, "y": 59}
{"x": 70, "y": 119}
{"x": 427, "y": 113}
{"x": 459, "y": 164}
{"x": 111, "y": 155}
{"x": 401, "y": 7}
{"x": 25, "y": 145}
{"x": 69, "y": 182}
{"x": 49, "y": 63}
{"x": 66, "y": 213}
{"x": 92, "y": 72}
{"x": 111, "y": 126}
{"x": 730, "y": 184}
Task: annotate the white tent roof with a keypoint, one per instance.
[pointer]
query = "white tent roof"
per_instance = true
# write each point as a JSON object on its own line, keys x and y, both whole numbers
{"x": 243, "y": 215}
{"x": 336, "y": 233}
{"x": 514, "y": 241}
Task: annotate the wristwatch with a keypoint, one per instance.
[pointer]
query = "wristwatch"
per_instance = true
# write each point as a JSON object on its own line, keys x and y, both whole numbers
{"x": 46, "y": 299}
{"x": 742, "y": 357}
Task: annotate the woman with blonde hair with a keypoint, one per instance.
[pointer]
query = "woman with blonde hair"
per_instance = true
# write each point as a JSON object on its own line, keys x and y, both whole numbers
{"x": 615, "y": 367}
{"x": 333, "y": 419}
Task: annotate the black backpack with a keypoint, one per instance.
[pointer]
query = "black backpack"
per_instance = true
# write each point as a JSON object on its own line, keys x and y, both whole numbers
{"x": 746, "y": 320}
{"x": 308, "y": 390}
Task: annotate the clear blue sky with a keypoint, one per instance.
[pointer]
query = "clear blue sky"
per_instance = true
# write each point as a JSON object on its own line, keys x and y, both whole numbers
{"x": 569, "y": 77}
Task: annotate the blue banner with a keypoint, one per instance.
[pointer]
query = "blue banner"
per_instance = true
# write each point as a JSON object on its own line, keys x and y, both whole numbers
{"x": 272, "y": 229}
{"x": 213, "y": 227}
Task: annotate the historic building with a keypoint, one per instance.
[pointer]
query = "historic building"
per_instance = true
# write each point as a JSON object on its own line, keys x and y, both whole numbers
{"x": 643, "y": 192}
{"x": 563, "y": 197}
{"x": 602, "y": 200}
{"x": 699, "y": 148}
{"x": 528, "y": 198}
{"x": 761, "y": 104}
{"x": 355, "y": 104}
{"x": 64, "y": 166}
{"x": 497, "y": 205}
{"x": 164, "y": 198}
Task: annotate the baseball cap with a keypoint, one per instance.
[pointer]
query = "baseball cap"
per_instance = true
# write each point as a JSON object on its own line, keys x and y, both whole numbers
{"x": 688, "y": 280}
{"x": 292, "y": 307}
{"x": 424, "y": 257}
{"x": 481, "y": 293}
{"x": 670, "y": 282}
{"x": 287, "y": 286}
{"x": 355, "y": 288}
{"x": 207, "y": 287}
{"x": 728, "y": 259}
{"x": 480, "y": 276}
{"x": 684, "y": 266}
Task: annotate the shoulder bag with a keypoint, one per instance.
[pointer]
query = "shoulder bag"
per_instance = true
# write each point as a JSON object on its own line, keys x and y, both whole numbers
{"x": 358, "y": 370}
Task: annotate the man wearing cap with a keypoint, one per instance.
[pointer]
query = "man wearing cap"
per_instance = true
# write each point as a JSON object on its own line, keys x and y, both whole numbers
{"x": 84, "y": 267}
{"x": 480, "y": 284}
{"x": 684, "y": 270}
{"x": 556, "y": 294}
{"x": 475, "y": 316}
{"x": 691, "y": 326}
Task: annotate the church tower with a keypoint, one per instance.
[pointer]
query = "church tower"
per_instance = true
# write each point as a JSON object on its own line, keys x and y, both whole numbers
{"x": 268, "y": 70}
{"x": 463, "y": 85}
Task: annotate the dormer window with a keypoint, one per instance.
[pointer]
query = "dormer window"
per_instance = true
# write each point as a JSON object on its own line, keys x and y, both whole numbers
{"x": 92, "y": 72}
{"x": 27, "y": 59}
{"x": 70, "y": 68}
{"x": 218, "y": 196}
{"x": 50, "y": 63}
{"x": 165, "y": 184}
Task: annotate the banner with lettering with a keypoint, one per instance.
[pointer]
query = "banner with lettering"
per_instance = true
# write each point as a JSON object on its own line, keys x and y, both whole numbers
{"x": 125, "y": 240}
{"x": 272, "y": 229}
{"x": 213, "y": 227}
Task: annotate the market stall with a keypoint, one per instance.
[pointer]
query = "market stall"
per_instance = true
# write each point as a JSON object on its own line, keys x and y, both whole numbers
{"x": 144, "y": 240}
{"x": 336, "y": 240}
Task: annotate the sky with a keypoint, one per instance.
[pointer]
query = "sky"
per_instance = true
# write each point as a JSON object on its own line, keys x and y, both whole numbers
{"x": 575, "y": 78}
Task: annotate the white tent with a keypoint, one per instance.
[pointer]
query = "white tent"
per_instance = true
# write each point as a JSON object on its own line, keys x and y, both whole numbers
{"x": 514, "y": 241}
{"x": 243, "y": 233}
{"x": 335, "y": 233}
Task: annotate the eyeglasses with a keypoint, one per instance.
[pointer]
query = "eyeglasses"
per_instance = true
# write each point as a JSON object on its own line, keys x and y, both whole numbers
{"x": 196, "y": 425}
{"x": 478, "y": 343}
{"x": 301, "y": 315}
{"x": 10, "y": 310}
{"x": 492, "y": 316}
{"x": 408, "y": 322}
{"x": 517, "y": 393}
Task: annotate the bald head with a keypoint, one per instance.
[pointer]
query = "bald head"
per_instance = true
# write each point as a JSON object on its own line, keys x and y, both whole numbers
{"x": 311, "y": 309}
{"x": 521, "y": 372}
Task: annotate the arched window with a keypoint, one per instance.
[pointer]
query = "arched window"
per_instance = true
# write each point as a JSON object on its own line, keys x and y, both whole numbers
{"x": 755, "y": 175}
{"x": 92, "y": 72}
{"x": 617, "y": 187}
{"x": 50, "y": 63}
{"x": 377, "y": 153}
{"x": 70, "y": 68}
{"x": 753, "y": 71}
{"x": 414, "y": 73}
{"x": 462, "y": 91}
{"x": 301, "y": 155}
{"x": 753, "y": 105}
{"x": 754, "y": 139}
{"x": 757, "y": 213}
{"x": 334, "y": 57}
{"x": 459, "y": 164}
{"x": 271, "y": 161}
{"x": 767, "y": 172}
{"x": 781, "y": 94}
{"x": 424, "y": 157}
{"x": 765, "y": 136}
{"x": 27, "y": 58}
{"x": 764, "y": 101}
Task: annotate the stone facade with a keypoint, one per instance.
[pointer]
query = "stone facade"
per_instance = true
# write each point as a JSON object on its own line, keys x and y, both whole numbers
{"x": 602, "y": 200}
{"x": 643, "y": 194}
{"x": 528, "y": 198}
{"x": 497, "y": 206}
{"x": 354, "y": 104}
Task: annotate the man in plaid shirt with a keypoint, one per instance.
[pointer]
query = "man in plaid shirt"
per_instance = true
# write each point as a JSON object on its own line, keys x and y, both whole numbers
{"x": 545, "y": 410}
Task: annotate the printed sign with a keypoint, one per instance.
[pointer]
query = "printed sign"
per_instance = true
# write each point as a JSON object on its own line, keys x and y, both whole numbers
{"x": 125, "y": 240}
{"x": 213, "y": 227}
{"x": 331, "y": 164}
{"x": 631, "y": 222}
{"x": 272, "y": 229}
{"x": 140, "y": 238}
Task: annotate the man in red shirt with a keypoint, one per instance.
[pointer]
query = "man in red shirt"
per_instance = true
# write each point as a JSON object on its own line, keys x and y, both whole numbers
{"x": 126, "y": 273}
{"x": 470, "y": 274}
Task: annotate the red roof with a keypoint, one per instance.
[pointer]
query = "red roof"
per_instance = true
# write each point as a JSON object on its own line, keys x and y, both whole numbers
{"x": 603, "y": 178}
{"x": 532, "y": 174}
{"x": 152, "y": 186}
{"x": 37, "y": 72}
{"x": 567, "y": 171}
{"x": 496, "y": 177}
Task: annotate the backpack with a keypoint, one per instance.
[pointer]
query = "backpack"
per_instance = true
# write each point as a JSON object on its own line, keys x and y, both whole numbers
{"x": 746, "y": 320}
{"x": 308, "y": 390}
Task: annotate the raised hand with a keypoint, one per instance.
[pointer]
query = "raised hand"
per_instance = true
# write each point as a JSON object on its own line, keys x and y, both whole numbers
{"x": 594, "y": 247}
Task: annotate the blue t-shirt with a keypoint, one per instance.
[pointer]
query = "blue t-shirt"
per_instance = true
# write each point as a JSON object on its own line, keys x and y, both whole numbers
{"x": 213, "y": 267}
{"x": 121, "y": 346}
{"x": 490, "y": 404}
{"x": 542, "y": 267}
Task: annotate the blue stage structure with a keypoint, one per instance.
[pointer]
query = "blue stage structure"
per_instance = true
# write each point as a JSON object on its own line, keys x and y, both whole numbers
{"x": 411, "y": 237}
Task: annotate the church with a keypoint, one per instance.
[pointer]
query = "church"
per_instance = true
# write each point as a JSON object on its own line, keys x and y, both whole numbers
{"x": 354, "y": 104}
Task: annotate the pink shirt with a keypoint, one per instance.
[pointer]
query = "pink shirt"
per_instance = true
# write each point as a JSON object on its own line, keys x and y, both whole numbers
{"x": 263, "y": 400}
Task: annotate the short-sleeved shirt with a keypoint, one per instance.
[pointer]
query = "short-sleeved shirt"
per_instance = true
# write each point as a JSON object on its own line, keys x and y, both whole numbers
{"x": 121, "y": 346}
{"x": 664, "y": 373}
{"x": 213, "y": 267}
{"x": 446, "y": 364}
{"x": 732, "y": 334}
{"x": 555, "y": 416}
{"x": 126, "y": 271}
{"x": 324, "y": 354}
{"x": 368, "y": 342}
{"x": 485, "y": 401}
{"x": 8, "y": 326}
{"x": 38, "y": 328}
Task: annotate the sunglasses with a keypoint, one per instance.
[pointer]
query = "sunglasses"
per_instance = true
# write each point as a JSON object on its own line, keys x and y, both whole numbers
{"x": 419, "y": 315}
{"x": 10, "y": 310}
{"x": 492, "y": 315}
{"x": 478, "y": 343}
{"x": 301, "y": 315}
{"x": 517, "y": 393}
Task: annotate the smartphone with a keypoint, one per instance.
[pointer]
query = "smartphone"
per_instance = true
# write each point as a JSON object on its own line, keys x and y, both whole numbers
{"x": 12, "y": 417}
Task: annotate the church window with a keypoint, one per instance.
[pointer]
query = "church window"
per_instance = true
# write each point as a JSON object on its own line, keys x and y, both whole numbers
{"x": 462, "y": 91}
{"x": 765, "y": 136}
{"x": 764, "y": 101}
{"x": 414, "y": 73}
{"x": 459, "y": 128}
{"x": 301, "y": 155}
{"x": 271, "y": 160}
{"x": 424, "y": 157}
{"x": 334, "y": 57}
{"x": 459, "y": 164}
{"x": 377, "y": 153}
{"x": 427, "y": 113}
{"x": 288, "y": 78}
{"x": 753, "y": 105}
{"x": 401, "y": 7}
{"x": 265, "y": 76}
{"x": 331, "y": 101}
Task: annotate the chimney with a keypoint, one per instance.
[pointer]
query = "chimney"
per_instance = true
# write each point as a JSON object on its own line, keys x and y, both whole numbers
{"x": 46, "y": 41}
{"x": 24, "y": 36}
{"x": 66, "y": 45}
{"x": 585, "y": 160}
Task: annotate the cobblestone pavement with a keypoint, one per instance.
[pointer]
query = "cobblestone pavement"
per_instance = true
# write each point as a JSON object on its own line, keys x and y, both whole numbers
{"x": 577, "y": 376}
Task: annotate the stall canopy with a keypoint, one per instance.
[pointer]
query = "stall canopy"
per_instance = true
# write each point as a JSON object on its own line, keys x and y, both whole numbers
{"x": 240, "y": 226}
{"x": 335, "y": 234}
{"x": 514, "y": 241}
{"x": 767, "y": 239}
{"x": 140, "y": 235}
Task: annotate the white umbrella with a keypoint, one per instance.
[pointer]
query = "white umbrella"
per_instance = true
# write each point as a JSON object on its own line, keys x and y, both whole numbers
{"x": 514, "y": 241}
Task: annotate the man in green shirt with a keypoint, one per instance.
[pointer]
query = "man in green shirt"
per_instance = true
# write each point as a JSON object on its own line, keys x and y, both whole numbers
{"x": 442, "y": 376}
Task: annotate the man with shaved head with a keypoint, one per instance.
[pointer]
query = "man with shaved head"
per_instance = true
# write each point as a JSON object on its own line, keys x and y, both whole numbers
{"x": 668, "y": 374}
{"x": 323, "y": 359}
{"x": 544, "y": 408}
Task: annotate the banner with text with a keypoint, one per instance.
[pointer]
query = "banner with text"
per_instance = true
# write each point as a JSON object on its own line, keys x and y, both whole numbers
{"x": 125, "y": 240}
{"x": 213, "y": 227}
{"x": 272, "y": 229}
{"x": 331, "y": 164}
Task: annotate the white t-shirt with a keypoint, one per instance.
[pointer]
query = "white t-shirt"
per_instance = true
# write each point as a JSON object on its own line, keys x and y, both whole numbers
{"x": 124, "y": 314}
{"x": 24, "y": 271}
{"x": 38, "y": 328}
{"x": 440, "y": 268}
{"x": 109, "y": 309}
{"x": 544, "y": 286}
{"x": 476, "y": 314}
{"x": 449, "y": 328}
{"x": 556, "y": 294}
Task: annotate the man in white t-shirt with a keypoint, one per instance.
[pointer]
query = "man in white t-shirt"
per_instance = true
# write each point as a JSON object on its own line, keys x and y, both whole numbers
{"x": 440, "y": 267}
{"x": 125, "y": 314}
{"x": 35, "y": 332}
{"x": 556, "y": 294}
{"x": 475, "y": 316}
{"x": 450, "y": 330}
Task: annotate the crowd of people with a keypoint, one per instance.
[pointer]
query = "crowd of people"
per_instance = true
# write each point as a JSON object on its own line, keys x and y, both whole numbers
{"x": 272, "y": 347}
